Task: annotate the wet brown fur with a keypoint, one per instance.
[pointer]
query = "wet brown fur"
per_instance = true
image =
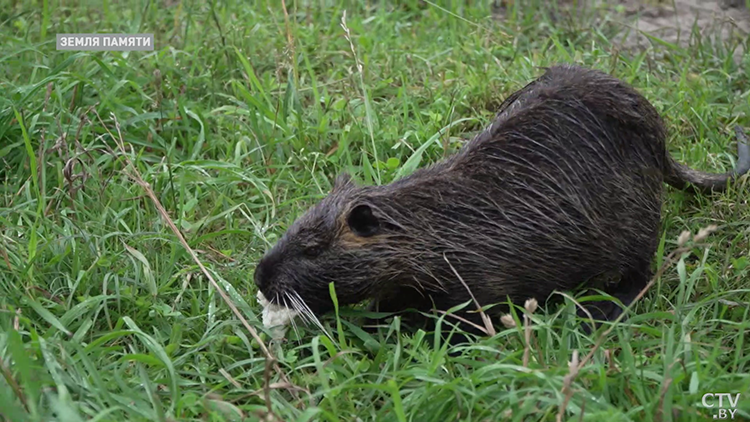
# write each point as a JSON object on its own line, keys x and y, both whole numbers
{"x": 563, "y": 188}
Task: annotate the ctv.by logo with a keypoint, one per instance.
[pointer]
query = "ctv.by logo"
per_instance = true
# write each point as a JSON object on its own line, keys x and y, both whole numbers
{"x": 727, "y": 404}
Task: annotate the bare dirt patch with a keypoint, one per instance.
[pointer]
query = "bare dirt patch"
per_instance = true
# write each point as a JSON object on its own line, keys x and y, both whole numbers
{"x": 674, "y": 21}
{"x": 678, "y": 22}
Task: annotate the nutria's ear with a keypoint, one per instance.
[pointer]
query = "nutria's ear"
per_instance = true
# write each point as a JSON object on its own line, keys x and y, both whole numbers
{"x": 343, "y": 179}
{"x": 362, "y": 222}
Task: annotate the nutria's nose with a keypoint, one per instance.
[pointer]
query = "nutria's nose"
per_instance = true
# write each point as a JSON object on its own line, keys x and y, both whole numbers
{"x": 261, "y": 276}
{"x": 264, "y": 271}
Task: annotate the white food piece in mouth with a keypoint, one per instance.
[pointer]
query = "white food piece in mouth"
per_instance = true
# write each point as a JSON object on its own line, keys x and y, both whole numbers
{"x": 275, "y": 317}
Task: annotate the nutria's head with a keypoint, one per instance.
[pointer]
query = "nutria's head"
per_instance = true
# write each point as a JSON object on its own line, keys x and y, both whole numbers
{"x": 344, "y": 239}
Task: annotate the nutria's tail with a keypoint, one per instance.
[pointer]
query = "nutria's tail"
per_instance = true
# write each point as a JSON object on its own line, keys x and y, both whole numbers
{"x": 679, "y": 175}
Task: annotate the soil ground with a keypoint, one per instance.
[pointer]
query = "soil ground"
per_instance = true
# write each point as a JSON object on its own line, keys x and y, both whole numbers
{"x": 673, "y": 21}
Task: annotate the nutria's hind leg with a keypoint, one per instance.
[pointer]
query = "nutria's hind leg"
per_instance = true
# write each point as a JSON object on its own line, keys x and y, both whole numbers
{"x": 630, "y": 285}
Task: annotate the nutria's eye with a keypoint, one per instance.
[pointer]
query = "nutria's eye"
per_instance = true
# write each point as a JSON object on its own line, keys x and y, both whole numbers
{"x": 312, "y": 251}
{"x": 362, "y": 221}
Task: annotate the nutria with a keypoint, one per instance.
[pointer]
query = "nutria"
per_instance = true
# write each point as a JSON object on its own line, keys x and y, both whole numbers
{"x": 564, "y": 187}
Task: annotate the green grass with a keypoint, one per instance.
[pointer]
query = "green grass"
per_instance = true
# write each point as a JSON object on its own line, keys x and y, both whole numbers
{"x": 250, "y": 116}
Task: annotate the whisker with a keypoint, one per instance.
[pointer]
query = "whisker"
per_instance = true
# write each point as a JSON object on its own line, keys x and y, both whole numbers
{"x": 300, "y": 308}
{"x": 291, "y": 321}
{"x": 297, "y": 307}
{"x": 312, "y": 315}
